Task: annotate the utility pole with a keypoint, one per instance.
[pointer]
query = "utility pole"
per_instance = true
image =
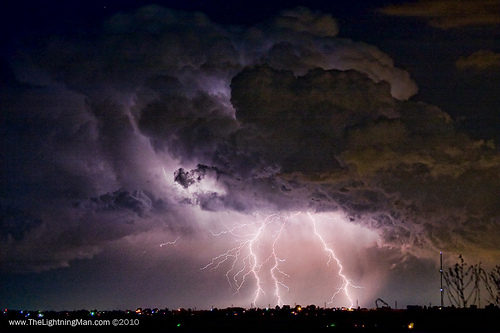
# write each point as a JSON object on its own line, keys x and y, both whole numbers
{"x": 441, "y": 272}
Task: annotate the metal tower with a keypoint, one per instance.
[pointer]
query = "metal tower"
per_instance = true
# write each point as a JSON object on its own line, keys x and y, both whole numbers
{"x": 441, "y": 272}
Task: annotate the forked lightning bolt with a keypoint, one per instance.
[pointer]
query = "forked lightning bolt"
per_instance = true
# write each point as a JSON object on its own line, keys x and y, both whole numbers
{"x": 249, "y": 257}
{"x": 346, "y": 283}
{"x": 275, "y": 269}
{"x": 249, "y": 243}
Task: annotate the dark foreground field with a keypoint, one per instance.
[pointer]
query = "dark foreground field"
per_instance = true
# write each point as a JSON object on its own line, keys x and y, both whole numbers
{"x": 310, "y": 319}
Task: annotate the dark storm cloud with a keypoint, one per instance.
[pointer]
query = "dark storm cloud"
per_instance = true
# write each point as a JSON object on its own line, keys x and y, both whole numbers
{"x": 302, "y": 19}
{"x": 141, "y": 203}
{"x": 187, "y": 126}
{"x": 298, "y": 122}
{"x": 77, "y": 157}
{"x": 446, "y": 14}
{"x": 398, "y": 167}
{"x": 14, "y": 223}
{"x": 280, "y": 116}
{"x": 303, "y": 50}
{"x": 336, "y": 140}
{"x": 186, "y": 179}
{"x": 482, "y": 60}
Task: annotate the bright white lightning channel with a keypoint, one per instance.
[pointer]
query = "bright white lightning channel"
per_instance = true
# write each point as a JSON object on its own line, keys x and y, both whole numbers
{"x": 346, "y": 283}
{"x": 249, "y": 257}
{"x": 249, "y": 243}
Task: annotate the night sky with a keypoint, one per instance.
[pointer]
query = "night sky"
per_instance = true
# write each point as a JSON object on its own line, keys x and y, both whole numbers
{"x": 190, "y": 153}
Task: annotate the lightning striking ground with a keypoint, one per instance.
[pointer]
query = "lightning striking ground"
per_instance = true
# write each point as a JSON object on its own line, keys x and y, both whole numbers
{"x": 346, "y": 283}
{"x": 244, "y": 257}
{"x": 256, "y": 256}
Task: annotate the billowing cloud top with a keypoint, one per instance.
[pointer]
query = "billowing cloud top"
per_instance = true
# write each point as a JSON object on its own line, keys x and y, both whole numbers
{"x": 114, "y": 134}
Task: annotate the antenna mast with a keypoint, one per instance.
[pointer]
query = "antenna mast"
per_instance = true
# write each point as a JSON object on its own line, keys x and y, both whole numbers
{"x": 441, "y": 272}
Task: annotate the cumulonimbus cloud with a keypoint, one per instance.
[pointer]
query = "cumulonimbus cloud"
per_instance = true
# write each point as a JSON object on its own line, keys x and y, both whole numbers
{"x": 280, "y": 116}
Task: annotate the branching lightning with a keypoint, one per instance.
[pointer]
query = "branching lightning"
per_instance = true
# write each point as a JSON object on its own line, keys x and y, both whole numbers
{"x": 346, "y": 283}
{"x": 256, "y": 256}
{"x": 249, "y": 248}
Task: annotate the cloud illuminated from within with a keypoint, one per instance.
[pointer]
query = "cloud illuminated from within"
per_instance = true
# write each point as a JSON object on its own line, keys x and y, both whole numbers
{"x": 164, "y": 118}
